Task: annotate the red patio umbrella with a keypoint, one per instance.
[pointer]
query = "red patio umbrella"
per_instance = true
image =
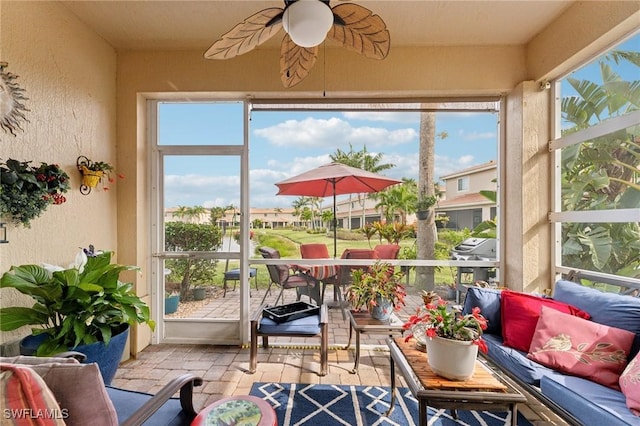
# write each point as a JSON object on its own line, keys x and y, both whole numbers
{"x": 334, "y": 179}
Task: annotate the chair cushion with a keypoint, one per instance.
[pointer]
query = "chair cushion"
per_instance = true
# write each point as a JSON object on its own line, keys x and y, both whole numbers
{"x": 519, "y": 314}
{"x": 314, "y": 251}
{"x": 71, "y": 384}
{"x": 234, "y": 274}
{"x": 308, "y": 325}
{"x": 387, "y": 251}
{"x": 26, "y": 399}
{"x": 580, "y": 347}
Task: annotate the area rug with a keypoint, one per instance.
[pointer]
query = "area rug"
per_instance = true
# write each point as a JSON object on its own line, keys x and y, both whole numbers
{"x": 328, "y": 405}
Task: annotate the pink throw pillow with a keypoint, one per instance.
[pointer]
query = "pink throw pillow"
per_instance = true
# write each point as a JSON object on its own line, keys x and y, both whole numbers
{"x": 581, "y": 348}
{"x": 519, "y": 313}
{"x": 630, "y": 384}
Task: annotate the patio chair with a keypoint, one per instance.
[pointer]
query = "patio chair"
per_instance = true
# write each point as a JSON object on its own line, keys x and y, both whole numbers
{"x": 76, "y": 393}
{"x": 281, "y": 276}
{"x": 314, "y": 251}
{"x": 387, "y": 251}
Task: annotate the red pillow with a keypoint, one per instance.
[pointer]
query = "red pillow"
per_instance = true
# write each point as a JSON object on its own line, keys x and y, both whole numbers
{"x": 519, "y": 313}
{"x": 581, "y": 348}
{"x": 630, "y": 384}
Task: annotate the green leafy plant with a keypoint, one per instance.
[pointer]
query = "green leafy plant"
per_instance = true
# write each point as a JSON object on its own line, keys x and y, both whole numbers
{"x": 448, "y": 322}
{"x": 425, "y": 202}
{"x": 381, "y": 280}
{"x": 27, "y": 191}
{"x": 82, "y": 304}
{"x": 103, "y": 170}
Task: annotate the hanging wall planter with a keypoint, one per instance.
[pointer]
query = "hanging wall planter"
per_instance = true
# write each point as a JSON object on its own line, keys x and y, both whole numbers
{"x": 93, "y": 173}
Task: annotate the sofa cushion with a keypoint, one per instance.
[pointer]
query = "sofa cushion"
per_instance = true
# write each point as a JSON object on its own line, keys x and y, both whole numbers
{"x": 589, "y": 402}
{"x": 630, "y": 385}
{"x": 488, "y": 300}
{"x": 515, "y": 361}
{"x": 580, "y": 347}
{"x": 519, "y": 313}
{"x": 611, "y": 309}
{"x": 26, "y": 399}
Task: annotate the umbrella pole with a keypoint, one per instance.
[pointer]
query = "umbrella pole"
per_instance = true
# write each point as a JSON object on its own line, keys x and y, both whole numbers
{"x": 335, "y": 223}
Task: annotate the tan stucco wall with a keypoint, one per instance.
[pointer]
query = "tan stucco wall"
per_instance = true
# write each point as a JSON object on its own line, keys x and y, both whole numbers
{"x": 526, "y": 183}
{"x": 68, "y": 73}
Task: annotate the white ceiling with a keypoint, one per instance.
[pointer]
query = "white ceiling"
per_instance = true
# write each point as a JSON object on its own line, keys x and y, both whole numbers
{"x": 195, "y": 25}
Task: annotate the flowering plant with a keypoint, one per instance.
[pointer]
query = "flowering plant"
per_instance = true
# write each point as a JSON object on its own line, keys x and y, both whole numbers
{"x": 27, "y": 191}
{"x": 104, "y": 169}
{"x": 379, "y": 281}
{"x": 449, "y": 323}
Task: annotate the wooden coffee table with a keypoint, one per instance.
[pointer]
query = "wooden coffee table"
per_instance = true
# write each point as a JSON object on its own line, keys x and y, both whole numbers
{"x": 487, "y": 390}
{"x": 362, "y": 322}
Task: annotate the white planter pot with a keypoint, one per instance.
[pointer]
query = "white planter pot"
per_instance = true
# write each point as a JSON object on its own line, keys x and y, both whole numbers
{"x": 452, "y": 359}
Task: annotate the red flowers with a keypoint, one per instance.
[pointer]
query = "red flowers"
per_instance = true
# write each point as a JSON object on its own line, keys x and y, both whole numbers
{"x": 445, "y": 321}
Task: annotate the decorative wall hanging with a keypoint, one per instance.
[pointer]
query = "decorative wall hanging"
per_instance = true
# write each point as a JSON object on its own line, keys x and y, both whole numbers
{"x": 27, "y": 191}
{"x": 93, "y": 172}
{"x": 307, "y": 23}
{"x": 11, "y": 97}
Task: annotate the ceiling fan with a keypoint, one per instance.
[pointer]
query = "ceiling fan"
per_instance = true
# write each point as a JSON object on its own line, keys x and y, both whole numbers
{"x": 306, "y": 23}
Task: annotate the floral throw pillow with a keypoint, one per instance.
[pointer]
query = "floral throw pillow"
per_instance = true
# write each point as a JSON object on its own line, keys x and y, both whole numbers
{"x": 580, "y": 347}
{"x": 630, "y": 384}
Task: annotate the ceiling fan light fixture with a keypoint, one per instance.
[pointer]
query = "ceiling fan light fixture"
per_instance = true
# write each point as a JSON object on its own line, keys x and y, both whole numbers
{"x": 307, "y": 22}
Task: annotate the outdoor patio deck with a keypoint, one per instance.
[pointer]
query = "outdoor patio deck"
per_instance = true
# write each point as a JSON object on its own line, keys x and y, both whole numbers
{"x": 289, "y": 360}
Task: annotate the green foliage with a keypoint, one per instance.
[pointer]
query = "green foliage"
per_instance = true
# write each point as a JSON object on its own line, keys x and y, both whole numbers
{"x": 180, "y": 236}
{"x": 27, "y": 191}
{"x": 80, "y": 305}
{"x": 379, "y": 281}
{"x": 602, "y": 173}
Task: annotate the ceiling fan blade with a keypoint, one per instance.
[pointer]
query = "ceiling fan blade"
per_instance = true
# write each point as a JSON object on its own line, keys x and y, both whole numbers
{"x": 295, "y": 61}
{"x": 362, "y": 31}
{"x": 247, "y": 35}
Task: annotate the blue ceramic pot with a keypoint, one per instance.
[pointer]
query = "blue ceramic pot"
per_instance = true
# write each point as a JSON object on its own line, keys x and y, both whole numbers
{"x": 171, "y": 304}
{"x": 106, "y": 356}
{"x": 383, "y": 311}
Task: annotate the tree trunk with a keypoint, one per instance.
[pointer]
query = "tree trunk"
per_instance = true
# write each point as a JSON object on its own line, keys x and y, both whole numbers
{"x": 426, "y": 230}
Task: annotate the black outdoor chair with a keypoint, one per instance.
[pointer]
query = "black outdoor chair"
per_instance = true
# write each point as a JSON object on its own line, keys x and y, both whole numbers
{"x": 281, "y": 276}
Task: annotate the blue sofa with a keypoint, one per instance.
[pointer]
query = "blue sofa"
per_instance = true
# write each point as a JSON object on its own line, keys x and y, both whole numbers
{"x": 578, "y": 400}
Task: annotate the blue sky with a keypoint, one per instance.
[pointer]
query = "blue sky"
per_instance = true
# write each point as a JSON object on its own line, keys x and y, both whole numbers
{"x": 283, "y": 144}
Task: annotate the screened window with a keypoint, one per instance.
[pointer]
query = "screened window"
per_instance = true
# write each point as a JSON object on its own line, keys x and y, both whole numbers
{"x": 597, "y": 155}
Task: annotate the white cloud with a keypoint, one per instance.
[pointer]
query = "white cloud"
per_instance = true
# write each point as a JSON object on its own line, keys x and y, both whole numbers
{"x": 331, "y": 133}
{"x": 474, "y": 136}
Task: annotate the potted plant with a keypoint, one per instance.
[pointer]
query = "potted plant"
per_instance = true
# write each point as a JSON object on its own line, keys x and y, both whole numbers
{"x": 171, "y": 302}
{"x": 27, "y": 191}
{"x": 93, "y": 172}
{"x": 423, "y": 204}
{"x": 84, "y": 307}
{"x": 452, "y": 339}
{"x": 379, "y": 289}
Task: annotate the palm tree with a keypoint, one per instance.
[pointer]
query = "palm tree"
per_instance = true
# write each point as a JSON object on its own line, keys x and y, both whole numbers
{"x": 362, "y": 160}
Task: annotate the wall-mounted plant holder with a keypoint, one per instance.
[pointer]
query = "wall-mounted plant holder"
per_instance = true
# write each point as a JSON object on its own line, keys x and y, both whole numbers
{"x": 90, "y": 176}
